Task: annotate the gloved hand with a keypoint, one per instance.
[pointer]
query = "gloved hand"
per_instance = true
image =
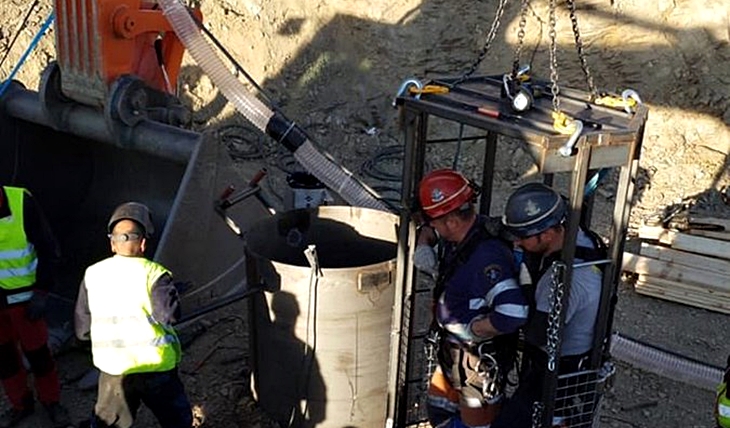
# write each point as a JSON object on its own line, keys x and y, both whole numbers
{"x": 464, "y": 332}
{"x": 36, "y": 308}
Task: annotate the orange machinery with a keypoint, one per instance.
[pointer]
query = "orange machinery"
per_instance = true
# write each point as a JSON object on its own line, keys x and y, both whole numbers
{"x": 99, "y": 41}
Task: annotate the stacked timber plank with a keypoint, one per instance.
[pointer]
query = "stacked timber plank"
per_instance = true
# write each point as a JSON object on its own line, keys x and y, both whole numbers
{"x": 690, "y": 265}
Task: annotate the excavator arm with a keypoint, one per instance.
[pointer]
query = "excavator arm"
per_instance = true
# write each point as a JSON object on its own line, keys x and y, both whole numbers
{"x": 100, "y": 41}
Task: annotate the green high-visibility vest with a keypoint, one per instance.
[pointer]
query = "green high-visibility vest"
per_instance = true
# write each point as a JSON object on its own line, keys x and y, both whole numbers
{"x": 722, "y": 409}
{"x": 18, "y": 260}
{"x": 125, "y": 338}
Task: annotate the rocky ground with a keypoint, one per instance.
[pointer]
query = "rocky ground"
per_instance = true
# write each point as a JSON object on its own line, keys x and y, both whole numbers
{"x": 334, "y": 67}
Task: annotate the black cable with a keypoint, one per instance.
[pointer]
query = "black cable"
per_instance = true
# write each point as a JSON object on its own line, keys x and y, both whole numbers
{"x": 373, "y": 167}
{"x": 17, "y": 33}
{"x": 242, "y": 142}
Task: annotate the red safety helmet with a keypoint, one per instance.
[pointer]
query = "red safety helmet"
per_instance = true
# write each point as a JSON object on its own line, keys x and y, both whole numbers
{"x": 443, "y": 191}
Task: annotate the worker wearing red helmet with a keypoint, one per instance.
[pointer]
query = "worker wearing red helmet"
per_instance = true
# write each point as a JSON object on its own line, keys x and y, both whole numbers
{"x": 478, "y": 305}
{"x": 126, "y": 306}
{"x": 29, "y": 255}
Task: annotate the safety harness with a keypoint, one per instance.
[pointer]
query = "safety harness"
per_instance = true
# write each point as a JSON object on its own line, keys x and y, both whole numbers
{"x": 495, "y": 356}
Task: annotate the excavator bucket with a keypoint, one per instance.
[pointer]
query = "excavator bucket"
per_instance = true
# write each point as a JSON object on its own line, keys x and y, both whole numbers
{"x": 79, "y": 168}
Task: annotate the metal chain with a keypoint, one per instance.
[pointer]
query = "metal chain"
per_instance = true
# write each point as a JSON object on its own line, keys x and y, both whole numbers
{"x": 537, "y": 409}
{"x": 554, "y": 59}
{"x": 431, "y": 345}
{"x": 520, "y": 37}
{"x": 581, "y": 52}
{"x": 487, "y": 44}
{"x": 557, "y": 289}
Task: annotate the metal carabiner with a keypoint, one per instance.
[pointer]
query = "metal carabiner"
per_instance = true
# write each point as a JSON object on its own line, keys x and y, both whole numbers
{"x": 404, "y": 87}
{"x": 567, "y": 149}
{"x": 630, "y": 94}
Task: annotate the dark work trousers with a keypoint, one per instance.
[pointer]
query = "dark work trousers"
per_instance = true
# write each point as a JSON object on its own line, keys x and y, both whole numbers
{"x": 18, "y": 332}
{"x": 121, "y": 395}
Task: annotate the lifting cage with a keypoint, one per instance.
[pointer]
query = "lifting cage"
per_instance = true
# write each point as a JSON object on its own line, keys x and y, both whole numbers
{"x": 611, "y": 138}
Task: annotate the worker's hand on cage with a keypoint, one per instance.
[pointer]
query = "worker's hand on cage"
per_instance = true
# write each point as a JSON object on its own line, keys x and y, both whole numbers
{"x": 36, "y": 308}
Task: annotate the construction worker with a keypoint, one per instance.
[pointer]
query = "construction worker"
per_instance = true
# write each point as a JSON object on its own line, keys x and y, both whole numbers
{"x": 722, "y": 399}
{"x": 126, "y": 306}
{"x": 535, "y": 217}
{"x": 29, "y": 256}
{"x": 478, "y": 305}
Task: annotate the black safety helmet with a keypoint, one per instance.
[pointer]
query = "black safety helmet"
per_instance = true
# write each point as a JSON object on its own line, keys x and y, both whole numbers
{"x": 135, "y": 211}
{"x": 532, "y": 209}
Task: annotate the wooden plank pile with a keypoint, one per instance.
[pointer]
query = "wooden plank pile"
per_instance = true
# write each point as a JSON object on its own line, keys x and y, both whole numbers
{"x": 690, "y": 265}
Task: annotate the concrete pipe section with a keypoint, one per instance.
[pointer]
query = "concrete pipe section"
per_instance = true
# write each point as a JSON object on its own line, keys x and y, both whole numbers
{"x": 321, "y": 331}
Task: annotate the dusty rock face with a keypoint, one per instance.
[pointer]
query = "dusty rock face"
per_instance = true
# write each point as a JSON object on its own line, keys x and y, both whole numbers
{"x": 333, "y": 67}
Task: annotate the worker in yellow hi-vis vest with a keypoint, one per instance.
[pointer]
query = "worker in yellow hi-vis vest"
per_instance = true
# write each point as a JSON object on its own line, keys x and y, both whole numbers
{"x": 29, "y": 256}
{"x": 126, "y": 306}
{"x": 722, "y": 401}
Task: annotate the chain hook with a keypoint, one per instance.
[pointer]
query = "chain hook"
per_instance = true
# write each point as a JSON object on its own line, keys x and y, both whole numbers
{"x": 567, "y": 149}
{"x": 627, "y": 95}
{"x": 402, "y": 90}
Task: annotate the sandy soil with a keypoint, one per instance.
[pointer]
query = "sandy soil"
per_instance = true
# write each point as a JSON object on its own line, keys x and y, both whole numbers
{"x": 334, "y": 68}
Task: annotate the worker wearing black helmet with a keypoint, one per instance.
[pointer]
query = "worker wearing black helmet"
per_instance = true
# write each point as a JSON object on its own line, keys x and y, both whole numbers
{"x": 478, "y": 303}
{"x": 126, "y": 306}
{"x": 29, "y": 256}
{"x": 535, "y": 217}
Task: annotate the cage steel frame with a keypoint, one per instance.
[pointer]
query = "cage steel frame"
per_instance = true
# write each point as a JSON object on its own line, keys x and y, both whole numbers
{"x": 611, "y": 138}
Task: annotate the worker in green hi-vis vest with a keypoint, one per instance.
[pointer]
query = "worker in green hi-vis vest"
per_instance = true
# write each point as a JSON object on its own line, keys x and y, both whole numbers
{"x": 722, "y": 402}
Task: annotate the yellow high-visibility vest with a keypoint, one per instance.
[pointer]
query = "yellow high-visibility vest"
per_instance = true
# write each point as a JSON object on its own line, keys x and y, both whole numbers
{"x": 722, "y": 407}
{"x": 125, "y": 338}
{"x": 18, "y": 260}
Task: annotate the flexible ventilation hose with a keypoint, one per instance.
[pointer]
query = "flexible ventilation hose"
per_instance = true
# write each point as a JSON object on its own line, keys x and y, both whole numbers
{"x": 262, "y": 117}
{"x": 664, "y": 363}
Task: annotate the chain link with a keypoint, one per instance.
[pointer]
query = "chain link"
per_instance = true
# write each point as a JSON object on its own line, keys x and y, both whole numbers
{"x": 557, "y": 289}
{"x": 431, "y": 349}
{"x": 537, "y": 409}
{"x": 487, "y": 44}
{"x": 554, "y": 58}
{"x": 581, "y": 52}
{"x": 520, "y": 37}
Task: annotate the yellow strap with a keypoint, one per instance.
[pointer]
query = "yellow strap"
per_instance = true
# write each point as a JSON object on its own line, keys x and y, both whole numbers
{"x": 616, "y": 102}
{"x": 428, "y": 89}
{"x": 563, "y": 123}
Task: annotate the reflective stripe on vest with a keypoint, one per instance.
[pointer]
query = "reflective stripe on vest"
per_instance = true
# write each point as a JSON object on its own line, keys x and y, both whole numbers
{"x": 18, "y": 261}
{"x": 125, "y": 338}
{"x": 723, "y": 407}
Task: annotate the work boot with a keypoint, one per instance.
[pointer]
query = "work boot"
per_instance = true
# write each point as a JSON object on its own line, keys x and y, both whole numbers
{"x": 13, "y": 416}
{"x": 58, "y": 415}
